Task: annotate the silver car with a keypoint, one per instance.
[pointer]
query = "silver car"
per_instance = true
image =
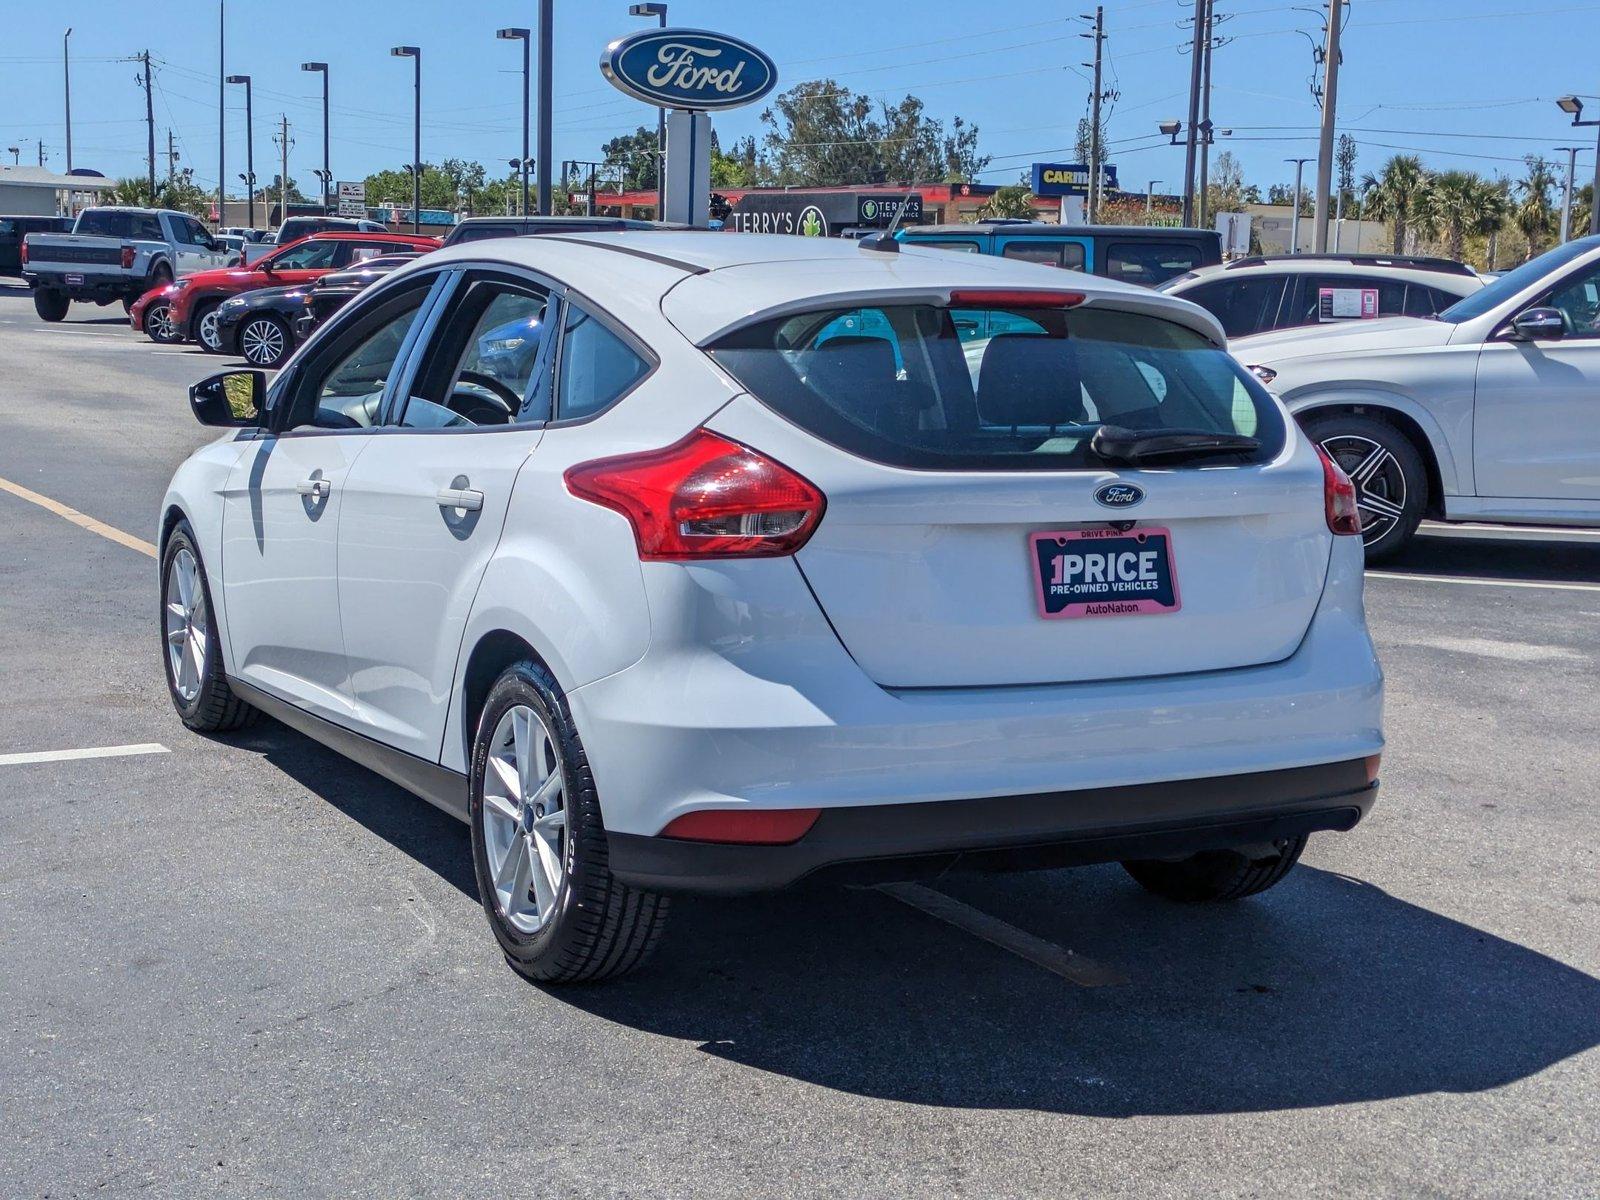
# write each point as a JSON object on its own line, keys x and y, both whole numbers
{"x": 1489, "y": 411}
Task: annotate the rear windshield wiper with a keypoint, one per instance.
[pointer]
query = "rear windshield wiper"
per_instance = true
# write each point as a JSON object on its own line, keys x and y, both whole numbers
{"x": 1114, "y": 444}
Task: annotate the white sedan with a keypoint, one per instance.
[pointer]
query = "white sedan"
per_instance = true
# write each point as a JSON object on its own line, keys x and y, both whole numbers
{"x": 707, "y": 562}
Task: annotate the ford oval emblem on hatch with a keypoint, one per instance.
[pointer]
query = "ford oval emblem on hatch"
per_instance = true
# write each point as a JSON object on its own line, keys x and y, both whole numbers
{"x": 1119, "y": 495}
{"x": 688, "y": 68}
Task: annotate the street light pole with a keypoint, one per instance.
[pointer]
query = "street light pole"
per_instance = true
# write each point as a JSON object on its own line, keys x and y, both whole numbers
{"x": 658, "y": 11}
{"x": 249, "y": 175}
{"x": 1574, "y": 108}
{"x": 1294, "y": 226}
{"x": 546, "y": 91}
{"x": 415, "y": 54}
{"x": 525, "y": 36}
{"x": 222, "y": 113}
{"x": 327, "y": 175}
{"x": 66, "y": 78}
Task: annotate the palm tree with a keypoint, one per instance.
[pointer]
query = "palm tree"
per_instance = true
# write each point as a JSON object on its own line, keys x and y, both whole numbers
{"x": 132, "y": 191}
{"x": 1534, "y": 215}
{"x": 1396, "y": 194}
{"x": 1452, "y": 204}
{"x": 1490, "y": 206}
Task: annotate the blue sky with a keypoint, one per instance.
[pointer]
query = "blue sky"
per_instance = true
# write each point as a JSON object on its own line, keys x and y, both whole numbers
{"x": 1464, "y": 82}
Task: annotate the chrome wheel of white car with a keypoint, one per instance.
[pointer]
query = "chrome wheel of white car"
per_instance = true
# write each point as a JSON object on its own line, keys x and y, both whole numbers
{"x": 206, "y": 332}
{"x": 524, "y": 819}
{"x": 188, "y": 625}
{"x": 1380, "y": 482}
{"x": 263, "y": 342}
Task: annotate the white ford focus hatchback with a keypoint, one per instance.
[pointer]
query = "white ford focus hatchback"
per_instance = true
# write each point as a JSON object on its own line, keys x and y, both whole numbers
{"x": 708, "y": 562}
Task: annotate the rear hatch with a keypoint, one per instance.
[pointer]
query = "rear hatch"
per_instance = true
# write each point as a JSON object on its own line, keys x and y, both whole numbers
{"x": 977, "y": 533}
{"x": 75, "y": 249}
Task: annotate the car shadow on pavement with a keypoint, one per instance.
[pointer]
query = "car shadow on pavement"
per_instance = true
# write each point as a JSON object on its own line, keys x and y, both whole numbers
{"x": 1548, "y": 559}
{"x": 1328, "y": 991}
{"x": 433, "y": 838}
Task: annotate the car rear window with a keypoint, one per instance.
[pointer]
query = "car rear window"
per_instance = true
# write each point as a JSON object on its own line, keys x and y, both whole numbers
{"x": 993, "y": 388}
{"x": 1151, "y": 262}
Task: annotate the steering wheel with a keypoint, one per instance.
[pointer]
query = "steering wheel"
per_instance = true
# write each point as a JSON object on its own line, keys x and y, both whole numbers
{"x": 497, "y": 408}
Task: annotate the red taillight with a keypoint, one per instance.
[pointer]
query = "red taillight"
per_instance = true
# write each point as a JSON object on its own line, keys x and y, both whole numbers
{"x": 705, "y": 497}
{"x": 127, "y": 258}
{"x": 988, "y": 298}
{"x": 23, "y": 252}
{"x": 1374, "y": 761}
{"x": 1338, "y": 497}
{"x": 751, "y": 827}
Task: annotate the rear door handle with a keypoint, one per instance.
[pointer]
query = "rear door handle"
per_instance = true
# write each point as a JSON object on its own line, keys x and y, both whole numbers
{"x": 315, "y": 488}
{"x": 468, "y": 499}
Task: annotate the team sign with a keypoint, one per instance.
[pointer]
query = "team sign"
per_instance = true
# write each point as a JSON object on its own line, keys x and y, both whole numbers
{"x": 1104, "y": 573}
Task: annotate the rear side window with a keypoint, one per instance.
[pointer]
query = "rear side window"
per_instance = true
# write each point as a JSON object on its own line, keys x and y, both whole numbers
{"x": 1053, "y": 254}
{"x": 993, "y": 388}
{"x": 1151, "y": 262}
{"x": 932, "y": 244}
{"x": 1243, "y": 306}
{"x": 1424, "y": 301}
{"x": 7, "y": 227}
{"x": 597, "y": 366}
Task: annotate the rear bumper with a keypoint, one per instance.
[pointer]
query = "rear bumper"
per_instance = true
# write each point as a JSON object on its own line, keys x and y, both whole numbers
{"x": 901, "y": 841}
{"x": 99, "y": 289}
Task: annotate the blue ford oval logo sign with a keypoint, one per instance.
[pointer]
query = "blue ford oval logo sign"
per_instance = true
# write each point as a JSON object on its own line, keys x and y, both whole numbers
{"x": 688, "y": 68}
{"x": 1119, "y": 495}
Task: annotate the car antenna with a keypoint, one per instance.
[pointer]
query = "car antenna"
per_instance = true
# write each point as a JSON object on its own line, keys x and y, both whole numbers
{"x": 884, "y": 243}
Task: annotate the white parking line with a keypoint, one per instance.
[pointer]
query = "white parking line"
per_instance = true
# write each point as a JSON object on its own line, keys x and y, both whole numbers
{"x": 46, "y": 756}
{"x": 1507, "y": 532}
{"x": 1084, "y": 972}
{"x": 86, "y": 332}
{"x": 1506, "y": 583}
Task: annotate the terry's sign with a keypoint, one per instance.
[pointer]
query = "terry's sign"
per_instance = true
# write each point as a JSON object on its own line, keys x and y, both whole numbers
{"x": 688, "y": 68}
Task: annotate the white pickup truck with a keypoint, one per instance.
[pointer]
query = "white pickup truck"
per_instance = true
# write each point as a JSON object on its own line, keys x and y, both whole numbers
{"x": 115, "y": 254}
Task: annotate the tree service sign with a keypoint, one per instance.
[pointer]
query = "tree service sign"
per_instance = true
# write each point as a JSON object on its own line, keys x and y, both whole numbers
{"x": 691, "y": 69}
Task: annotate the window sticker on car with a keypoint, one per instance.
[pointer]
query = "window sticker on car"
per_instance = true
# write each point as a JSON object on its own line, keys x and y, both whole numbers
{"x": 1104, "y": 572}
{"x": 1346, "y": 304}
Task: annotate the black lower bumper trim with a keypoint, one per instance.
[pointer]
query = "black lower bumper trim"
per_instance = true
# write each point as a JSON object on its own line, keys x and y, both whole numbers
{"x": 901, "y": 841}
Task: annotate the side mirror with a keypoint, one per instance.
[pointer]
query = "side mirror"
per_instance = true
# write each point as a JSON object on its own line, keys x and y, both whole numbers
{"x": 233, "y": 399}
{"x": 1538, "y": 324}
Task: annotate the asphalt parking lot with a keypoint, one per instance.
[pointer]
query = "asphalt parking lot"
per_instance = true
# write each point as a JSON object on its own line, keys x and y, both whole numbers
{"x": 242, "y": 966}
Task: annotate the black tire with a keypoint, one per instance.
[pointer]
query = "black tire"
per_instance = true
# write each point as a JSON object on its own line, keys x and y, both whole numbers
{"x": 1354, "y": 441}
{"x": 253, "y": 335}
{"x": 159, "y": 278}
{"x": 213, "y": 708}
{"x": 157, "y": 323}
{"x": 202, "y": 310}
{"x": 1215, "y": 875}
{"x": 51, "y": 304}
{"x": 600, "y": 928}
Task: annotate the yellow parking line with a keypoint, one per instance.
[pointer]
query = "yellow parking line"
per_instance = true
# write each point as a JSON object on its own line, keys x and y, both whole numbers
{"x": 83, "y": 521}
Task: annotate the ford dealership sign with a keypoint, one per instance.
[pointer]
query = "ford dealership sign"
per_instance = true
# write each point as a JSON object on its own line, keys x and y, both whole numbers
{"x": 688, "y": 68}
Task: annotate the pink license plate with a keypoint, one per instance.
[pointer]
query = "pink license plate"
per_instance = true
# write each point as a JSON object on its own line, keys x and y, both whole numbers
{"x": 1104, "y": 572}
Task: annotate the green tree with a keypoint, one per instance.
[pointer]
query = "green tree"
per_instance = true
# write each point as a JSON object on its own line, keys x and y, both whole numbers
{"x": 1534, "y": 215}
{"x": 466, "y": 181}
{"x": 819, "y": 134}
{"x": 394, "y": 187}
{"x": 1227, "y": 190}
{"x": 1344, "y": 161}
{"x": 1452, "y": 203}
{"x": 634, "y": 157}
{"x": 1012, "y": 200}
{"x": 271, "y": 193}
{"x": 1397, "y": 194}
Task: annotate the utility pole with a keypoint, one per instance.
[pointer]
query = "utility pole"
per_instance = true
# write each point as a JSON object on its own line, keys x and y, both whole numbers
{"x": 1566, "y": 199}
{"x": 172, "y": 157}
{"x": 1192, "y": 129}
{"x": 150, "y": 125}
{"x": 1095, "y": 149}
{"x": 66, "y": 79}
{"x": 1205, "y": 112}
{"x": 1330, "y": 100}
{"x": 41, "y": 152}
{"x": 1294, "y": 227}
{"x": 284, "y": 142}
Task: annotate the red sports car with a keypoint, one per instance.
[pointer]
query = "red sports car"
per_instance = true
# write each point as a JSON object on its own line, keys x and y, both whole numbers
{"x": 185, "y": 309}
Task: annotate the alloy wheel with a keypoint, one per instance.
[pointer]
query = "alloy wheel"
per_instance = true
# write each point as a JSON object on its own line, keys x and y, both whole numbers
{"x": 207, "y": 331}
{"x": 261, "y": 341}
{"x": 524, "y": 822}
{"x": 187, "y": 625}
{"x": 158, "y": 323}
{"x": 1379, "y": 480}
